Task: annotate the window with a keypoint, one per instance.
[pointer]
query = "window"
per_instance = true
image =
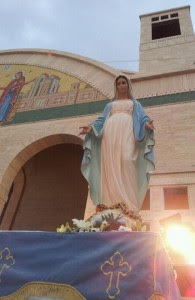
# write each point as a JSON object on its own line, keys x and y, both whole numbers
{"x": 165, "y": 29}
{"x": 155, "y": 19}
{"x": 164, "y": 17}
{"x": 146, "y": 203}
{"x": 174, "y": 15}
{"x": 176, "y": 198}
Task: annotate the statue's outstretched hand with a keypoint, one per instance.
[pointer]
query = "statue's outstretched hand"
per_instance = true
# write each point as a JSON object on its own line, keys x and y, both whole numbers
{"x": 85, "y": 129}
{"x": 149, "y": 125}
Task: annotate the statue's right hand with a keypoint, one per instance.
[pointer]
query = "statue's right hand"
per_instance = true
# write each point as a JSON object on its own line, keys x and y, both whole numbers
{"x": 85, "y": 129}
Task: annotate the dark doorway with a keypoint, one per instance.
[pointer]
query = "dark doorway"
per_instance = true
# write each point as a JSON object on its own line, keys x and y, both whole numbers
{"x": 54, "y": 190}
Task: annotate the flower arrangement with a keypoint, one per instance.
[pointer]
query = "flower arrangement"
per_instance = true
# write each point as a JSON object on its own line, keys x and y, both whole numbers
{"x": 109, "y": 223}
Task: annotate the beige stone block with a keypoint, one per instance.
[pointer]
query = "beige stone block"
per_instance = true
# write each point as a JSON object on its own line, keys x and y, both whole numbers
{"x": 185, "y": 179}
{"x": 155, "y": 226}
{"x": 163, "y": 85}
{"x": 156, "y": 198}
{"x": 191, "y": 197}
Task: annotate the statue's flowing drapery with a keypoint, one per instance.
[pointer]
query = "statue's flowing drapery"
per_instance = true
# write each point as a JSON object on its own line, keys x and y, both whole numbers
{"x": 124, "y": 122}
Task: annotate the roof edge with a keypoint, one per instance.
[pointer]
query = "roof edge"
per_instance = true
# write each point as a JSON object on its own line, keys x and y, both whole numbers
{"x": 146, "y": 76}
{"x": 58, "y": 53}
{"x": 164, "y": 11}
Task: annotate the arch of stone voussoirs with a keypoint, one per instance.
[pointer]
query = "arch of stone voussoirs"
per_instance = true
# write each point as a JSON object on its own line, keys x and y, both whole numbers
{"x": 94, "y": 73}
{"x": 28, "y": 152}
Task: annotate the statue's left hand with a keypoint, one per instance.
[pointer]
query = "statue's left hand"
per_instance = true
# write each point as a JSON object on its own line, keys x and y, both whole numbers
{"x": 85, "y": 130}
{"x": 149, "y": 125}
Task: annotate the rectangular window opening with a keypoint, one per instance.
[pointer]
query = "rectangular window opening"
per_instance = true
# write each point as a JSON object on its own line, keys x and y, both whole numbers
{"x": 164, "y": 17}
{"x": 155, "y": 19}
{"x": 176, "y": 198}
{"x": 165, "y": 29}
{"x": 175, "y": 15}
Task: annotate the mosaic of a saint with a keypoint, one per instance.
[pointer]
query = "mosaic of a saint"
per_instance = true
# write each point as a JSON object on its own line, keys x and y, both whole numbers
{"x": 10, "y": 94}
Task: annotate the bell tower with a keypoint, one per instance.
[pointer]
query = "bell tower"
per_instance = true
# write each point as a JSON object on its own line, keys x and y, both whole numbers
{"x": 167, "y": 41}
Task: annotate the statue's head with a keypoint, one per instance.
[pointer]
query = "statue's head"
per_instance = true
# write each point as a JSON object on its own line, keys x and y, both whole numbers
{"x": 123, "y": 84}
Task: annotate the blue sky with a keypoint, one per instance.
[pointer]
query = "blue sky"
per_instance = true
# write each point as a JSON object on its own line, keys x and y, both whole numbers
{"x": 104, "y": 30}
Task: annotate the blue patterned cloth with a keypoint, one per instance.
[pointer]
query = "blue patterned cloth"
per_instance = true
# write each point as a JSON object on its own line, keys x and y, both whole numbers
{"x": 108, "y": 265}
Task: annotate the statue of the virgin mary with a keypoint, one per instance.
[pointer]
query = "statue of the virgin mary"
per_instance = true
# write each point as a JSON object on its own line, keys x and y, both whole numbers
{"x": 118, "y": 151}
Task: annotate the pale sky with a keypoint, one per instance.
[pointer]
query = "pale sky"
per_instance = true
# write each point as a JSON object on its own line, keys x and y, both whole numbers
{"x": 104, "y": 30}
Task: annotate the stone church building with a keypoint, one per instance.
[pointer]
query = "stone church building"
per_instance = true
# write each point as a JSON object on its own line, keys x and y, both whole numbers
{"x": 51, "y": 93}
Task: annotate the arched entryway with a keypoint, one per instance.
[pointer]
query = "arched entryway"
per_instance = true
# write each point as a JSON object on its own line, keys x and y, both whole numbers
{"x": 49, "y": 188}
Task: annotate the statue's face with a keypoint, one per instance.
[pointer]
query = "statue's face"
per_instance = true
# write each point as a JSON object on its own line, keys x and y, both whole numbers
{"x": 122, "y": 85}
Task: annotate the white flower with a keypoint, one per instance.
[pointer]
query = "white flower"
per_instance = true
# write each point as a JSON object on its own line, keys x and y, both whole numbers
{"x": 83, "y": 225}
{"x": 78, "y": 223}
{"x": 123, "y": 228}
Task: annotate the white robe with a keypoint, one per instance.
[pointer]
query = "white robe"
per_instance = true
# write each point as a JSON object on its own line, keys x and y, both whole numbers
{"x": 118, "y": 158}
